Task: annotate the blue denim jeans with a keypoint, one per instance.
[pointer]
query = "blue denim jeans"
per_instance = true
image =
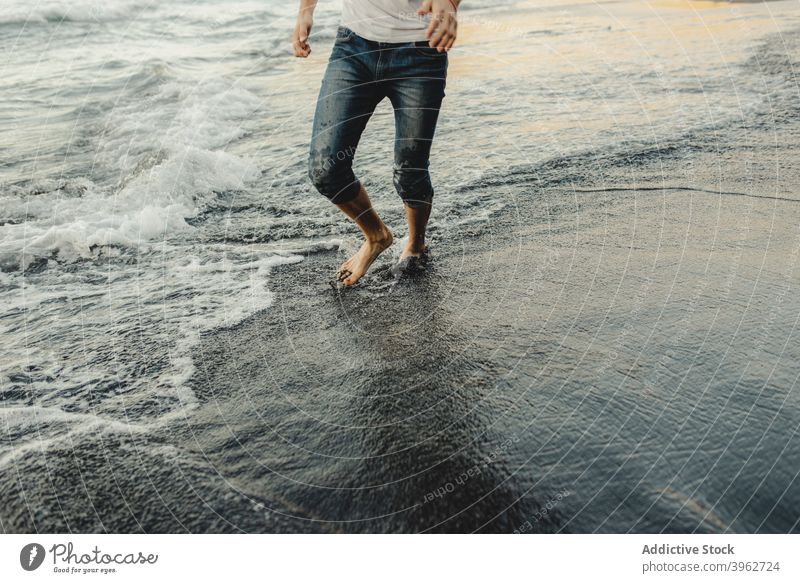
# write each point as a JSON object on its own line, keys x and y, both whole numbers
{"x": 359, "y": 75}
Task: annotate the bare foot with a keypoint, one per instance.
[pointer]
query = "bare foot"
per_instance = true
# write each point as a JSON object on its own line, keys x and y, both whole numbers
{"x": 411, "y": 260}
{"x": 354, "y": 268}
{"x": 412, "y": 250}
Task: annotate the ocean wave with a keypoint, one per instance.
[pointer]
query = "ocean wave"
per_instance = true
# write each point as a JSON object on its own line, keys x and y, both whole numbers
{"x": 154, "y": 205}
{"x": 169, "y": 152}
{"x": 70, "y": 11}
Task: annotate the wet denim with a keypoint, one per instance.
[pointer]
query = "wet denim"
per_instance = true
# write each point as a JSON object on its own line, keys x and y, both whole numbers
{"x": 359, "y": 75}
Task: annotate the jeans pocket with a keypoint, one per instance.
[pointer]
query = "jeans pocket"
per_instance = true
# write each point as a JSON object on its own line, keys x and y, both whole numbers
{"x": 343, "y": 34}
{"x": 421, "y": 48}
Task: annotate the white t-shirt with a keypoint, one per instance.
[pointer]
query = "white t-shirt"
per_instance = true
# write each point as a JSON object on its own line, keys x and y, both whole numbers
{"x": 390, "y": 21}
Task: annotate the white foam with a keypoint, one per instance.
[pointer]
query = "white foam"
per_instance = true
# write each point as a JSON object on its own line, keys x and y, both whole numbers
{"x": 167, "y": 305}
{"x": 166, "y": 151}
{"x": 16, "y": 11}
{"x": 159, "y": 160}
{"x": 57, "y": 425}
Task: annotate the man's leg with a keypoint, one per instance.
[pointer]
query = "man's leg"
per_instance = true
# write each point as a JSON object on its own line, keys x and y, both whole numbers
{"x": 417, "y": 217}
{"x": 347, "y": 99}
{"x": 377, "y": 237}
{"x": 416, "y": 98}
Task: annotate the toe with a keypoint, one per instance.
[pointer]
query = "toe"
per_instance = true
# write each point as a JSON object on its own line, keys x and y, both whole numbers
{"x": 352, "y": 278}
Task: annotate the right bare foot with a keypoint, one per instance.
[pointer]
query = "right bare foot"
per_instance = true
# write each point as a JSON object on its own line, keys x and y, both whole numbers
{"x": 411, "y": 260}
{"x": 354, "y": 268}
{"x": 411, "y": 249}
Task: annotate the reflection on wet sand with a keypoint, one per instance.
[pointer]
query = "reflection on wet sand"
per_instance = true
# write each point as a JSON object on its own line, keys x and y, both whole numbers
{"x": 424, "y": 408}
{"x": 402, "y": 431}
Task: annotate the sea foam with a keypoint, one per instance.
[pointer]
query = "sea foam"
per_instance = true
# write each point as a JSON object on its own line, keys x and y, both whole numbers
{"x": 168, "y": 151}
{"x": 17, "y": 12}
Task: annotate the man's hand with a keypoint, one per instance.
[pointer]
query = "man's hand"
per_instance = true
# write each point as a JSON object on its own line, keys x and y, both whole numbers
{"x": 441, "y": 32}
{"x": 300, "y": 36}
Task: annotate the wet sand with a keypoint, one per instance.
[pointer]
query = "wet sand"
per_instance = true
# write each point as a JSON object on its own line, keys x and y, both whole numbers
{"x": 608, "y": 355}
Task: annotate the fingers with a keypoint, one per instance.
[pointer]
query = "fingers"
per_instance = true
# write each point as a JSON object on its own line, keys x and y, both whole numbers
{"x": 450, "y": 43}
{"x": 442, "y": 42}
{"x": 301, "y": 48}
{"x": 300, "y": 44}
{"x": 426, "y": 7}
{"x": 435, "y": 19}
{"x": 437, "y": 37}
{"x": 445, "y": 26}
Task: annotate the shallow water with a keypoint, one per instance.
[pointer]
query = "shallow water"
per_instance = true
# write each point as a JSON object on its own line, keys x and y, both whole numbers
{"x": 601, "y": 335}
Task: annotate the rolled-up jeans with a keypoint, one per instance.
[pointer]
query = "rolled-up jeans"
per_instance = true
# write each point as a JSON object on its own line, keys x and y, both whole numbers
{"x": 359, "y": 75}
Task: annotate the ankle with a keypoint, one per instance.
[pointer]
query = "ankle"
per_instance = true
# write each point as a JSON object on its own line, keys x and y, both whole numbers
{"x": 415, "y": 245}
{"x": 381, "y": 236}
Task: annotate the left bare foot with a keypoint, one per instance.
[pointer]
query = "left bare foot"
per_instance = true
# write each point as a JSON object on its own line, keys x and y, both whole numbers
{"x": 354, "y": 268}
